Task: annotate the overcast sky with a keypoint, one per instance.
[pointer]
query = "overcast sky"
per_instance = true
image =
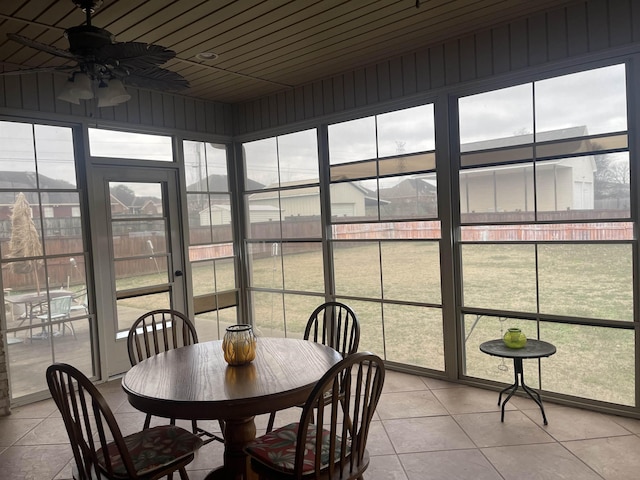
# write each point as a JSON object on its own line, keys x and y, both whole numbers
{"x": 595, "y": 99}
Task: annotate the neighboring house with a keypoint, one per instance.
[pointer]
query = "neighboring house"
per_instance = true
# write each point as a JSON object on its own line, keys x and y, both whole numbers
{"x": 221, "y": 214}
{"x": 151, "y": 207}
{"x": 347, "y": 200}
{"x": 145, "y": 206}
{"x": 55, "y": 204}
{"x": 411, "y": 197}
{"x": 561, "y": 183}
{"x": 117, "y": 207}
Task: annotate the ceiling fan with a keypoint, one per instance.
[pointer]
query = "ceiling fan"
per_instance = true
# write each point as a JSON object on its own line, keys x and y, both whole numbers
{"x": 100, "y": 60}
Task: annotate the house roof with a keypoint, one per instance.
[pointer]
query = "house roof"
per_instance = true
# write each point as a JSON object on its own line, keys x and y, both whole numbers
{"x": 25, "y": 181}
{"x": 527, "y": 138}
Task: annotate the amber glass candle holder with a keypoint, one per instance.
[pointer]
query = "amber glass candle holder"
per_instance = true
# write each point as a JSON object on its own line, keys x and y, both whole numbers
{"x": 239, "y": 345}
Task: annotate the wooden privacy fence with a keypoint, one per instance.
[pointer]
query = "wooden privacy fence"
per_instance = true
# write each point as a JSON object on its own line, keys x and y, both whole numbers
{"x": 61, "y": 270}
{"x": 551, "y": 232}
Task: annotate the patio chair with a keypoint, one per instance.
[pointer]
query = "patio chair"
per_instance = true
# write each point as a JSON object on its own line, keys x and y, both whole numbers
{"x": 156, "y": 332}
{"x": 331, "y": 448}
{"x": 59, "y": 308}
{"x": 333, "y": 324}
{"x": 99, "y": 449}
{"x": 79, "y": 302}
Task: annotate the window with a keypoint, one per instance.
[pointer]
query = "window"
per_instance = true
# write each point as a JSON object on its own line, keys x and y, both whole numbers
{"x": 283, "y": 215}
{"x": 42, "y": 254}
{"x": 140, "y": 146}
{"x": 385, "y": 230}
{"x": 546, "y": 235}
{"x": 211, "y": 252}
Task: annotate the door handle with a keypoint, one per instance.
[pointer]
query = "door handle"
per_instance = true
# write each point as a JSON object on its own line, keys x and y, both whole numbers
{"x": 178, "y": 273}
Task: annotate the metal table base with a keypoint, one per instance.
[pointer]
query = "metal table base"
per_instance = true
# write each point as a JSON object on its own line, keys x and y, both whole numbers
{"x": 519, "y": 382}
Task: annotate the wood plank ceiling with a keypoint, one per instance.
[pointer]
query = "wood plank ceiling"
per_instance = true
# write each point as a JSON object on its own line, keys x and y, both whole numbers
{"x": 263, "y": 46}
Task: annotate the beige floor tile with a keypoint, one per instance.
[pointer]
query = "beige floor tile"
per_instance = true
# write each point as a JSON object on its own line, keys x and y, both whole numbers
{"x": 409, "y": 404}
{"x": 208, "y": 457}
{"x": 378, "y": 442}
{"x": 630, "y": 424}
{"x": 447, "y": 465}
{"x": 121, "y": 407}
{"x": 426, "y": 434}
{"x": 469, "y": 400}
{"x": 402, "y": 382}
{"x": 133, "y": 422}
{"x": 116, "y": 399}
{"x": 283, "y": 417}
{"x": 538, "y": 462}
{"x": 486, "y": 429}
{"x": 575, "y": 424}
{"x": 614, "y": 458}
{"x": 12, "y": 429}
{"x": 385, "y": 467}
{"x": 40, "y": 409}
{"x": 50, "y": 431}
{"x": 25, "y": 462}
{"x": 65, "y": 473}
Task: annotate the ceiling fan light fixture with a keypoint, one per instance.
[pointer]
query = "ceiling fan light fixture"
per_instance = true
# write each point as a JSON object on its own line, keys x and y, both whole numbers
{"x": 80, "y": 86}
{"x": 112, "y": 93}
{"x": 67, "y": 94}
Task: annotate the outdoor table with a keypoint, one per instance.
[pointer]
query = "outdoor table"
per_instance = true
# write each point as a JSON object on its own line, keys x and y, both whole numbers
{"x": 30, "y": 301}
{"x": 533, "y": 349}
{"x": 195, "y": 383}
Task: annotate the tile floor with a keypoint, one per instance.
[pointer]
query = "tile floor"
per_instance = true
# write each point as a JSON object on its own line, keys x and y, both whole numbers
{"x": 424, "y": 429}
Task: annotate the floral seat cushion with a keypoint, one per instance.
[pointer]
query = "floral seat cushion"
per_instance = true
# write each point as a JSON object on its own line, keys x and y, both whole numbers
{"x": 277, "y": 449}
{"x": 152, "y": 448}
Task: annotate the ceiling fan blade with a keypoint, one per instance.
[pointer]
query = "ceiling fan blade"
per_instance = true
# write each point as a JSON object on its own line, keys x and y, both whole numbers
{"x": 135, "y": 55}
{"x": 156, "y": 78}
{"x": 58, "y": 52}
{"x": 24, "y": 71}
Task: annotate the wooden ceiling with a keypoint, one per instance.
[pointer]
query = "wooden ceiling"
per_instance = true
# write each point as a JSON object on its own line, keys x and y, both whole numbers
{"x": 263, "y": 46}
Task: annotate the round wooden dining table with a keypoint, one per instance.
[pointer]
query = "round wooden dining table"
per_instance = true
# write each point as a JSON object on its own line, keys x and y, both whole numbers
{"x": 195, "y": 383}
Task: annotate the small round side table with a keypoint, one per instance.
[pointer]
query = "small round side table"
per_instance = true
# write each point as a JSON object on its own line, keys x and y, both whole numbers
{"x": 533, "y": 349}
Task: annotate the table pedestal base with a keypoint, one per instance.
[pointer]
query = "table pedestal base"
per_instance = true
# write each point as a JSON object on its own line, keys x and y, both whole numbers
{"x": 238, "y": 433}
{"x": 519, "y": 382}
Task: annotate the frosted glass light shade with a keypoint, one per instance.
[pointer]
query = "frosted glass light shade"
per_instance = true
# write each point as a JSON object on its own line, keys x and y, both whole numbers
{"x": 112, "y": 94}
{"x": 77, "y": 88}
{"x": 82, "y": 86}
{"x": 67, "y": 94}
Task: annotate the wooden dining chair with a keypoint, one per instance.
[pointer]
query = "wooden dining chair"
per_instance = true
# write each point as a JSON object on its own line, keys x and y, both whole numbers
{"x": 333, "y": 324}
{"x": 156, "y": 332}
{"x": 330, "y": 448}
{"x": 99, "y": 449}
